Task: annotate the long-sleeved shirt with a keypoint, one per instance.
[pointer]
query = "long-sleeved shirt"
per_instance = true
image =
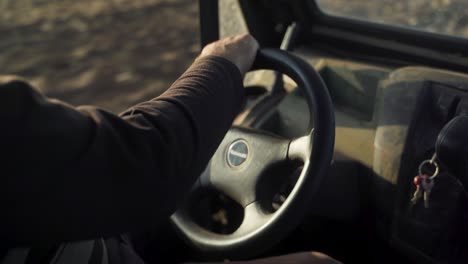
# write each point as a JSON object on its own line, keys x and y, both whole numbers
{"x": 71, "y": 173}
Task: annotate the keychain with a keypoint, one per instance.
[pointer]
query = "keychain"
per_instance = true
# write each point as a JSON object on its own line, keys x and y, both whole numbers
{"x": 424, "y": 182}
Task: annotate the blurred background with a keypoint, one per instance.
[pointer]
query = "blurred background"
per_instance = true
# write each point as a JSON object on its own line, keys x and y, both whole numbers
{"x": 449, "y": 17}
{"x": 114, "y": 53}
{"x": 110, "y": 53}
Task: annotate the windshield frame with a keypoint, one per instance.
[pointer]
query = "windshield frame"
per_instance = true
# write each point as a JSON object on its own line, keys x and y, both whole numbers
{"x": 345, "y": 37}
{"x": 375, "y": 39}
{"x": 333, "y": 12}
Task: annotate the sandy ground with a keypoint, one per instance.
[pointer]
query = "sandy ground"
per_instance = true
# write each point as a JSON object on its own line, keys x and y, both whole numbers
{"x": 108, "y": 53}
{"x": 114, "y": 53}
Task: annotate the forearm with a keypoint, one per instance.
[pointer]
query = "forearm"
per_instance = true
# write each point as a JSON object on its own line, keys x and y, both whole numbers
{"x": 82, "y": 173}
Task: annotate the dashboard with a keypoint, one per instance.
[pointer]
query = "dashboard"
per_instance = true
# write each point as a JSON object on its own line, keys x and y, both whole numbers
{"x": 387, "y": 122}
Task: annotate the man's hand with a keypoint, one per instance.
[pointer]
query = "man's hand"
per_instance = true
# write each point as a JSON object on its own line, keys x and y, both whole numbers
{"x": 240, "y": 50}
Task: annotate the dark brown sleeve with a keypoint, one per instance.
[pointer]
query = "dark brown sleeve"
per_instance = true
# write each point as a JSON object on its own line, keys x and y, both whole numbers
{"x": 77, "y": 173}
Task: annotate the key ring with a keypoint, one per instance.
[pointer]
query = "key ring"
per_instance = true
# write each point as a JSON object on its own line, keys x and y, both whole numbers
{"x": 431, "y": 162}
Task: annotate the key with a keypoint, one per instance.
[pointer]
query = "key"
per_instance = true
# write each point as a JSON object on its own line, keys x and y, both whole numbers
{"x": 418, "y": 193}
{"x": 427, "y": 185}
{"x": 424, "y": 183}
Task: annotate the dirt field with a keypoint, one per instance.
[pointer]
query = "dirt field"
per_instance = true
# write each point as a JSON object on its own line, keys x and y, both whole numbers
{"x": 114, "y": 53}
{"x": 110, "y": 53}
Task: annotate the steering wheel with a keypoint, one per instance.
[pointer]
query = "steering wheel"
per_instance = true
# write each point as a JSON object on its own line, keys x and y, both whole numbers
{"x": 245, "y": 154}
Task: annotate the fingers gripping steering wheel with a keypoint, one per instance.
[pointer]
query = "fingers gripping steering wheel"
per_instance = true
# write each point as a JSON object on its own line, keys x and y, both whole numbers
{"x": 243, "y": 156}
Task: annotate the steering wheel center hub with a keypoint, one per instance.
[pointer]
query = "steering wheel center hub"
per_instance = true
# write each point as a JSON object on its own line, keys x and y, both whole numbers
{"x": 238, "y": 153}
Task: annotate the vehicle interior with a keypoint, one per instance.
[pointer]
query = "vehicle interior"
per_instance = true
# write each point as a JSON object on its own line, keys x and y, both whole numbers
{"x": 399, "y": 99}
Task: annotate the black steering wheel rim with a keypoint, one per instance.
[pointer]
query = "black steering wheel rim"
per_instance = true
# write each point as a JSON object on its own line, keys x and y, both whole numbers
{"x": 315, "y": 149}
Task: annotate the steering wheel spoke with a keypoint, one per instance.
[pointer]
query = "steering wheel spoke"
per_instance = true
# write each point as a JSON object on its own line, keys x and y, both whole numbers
{"x": 301, "y": 148}
{"x": 254, "y": 217}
